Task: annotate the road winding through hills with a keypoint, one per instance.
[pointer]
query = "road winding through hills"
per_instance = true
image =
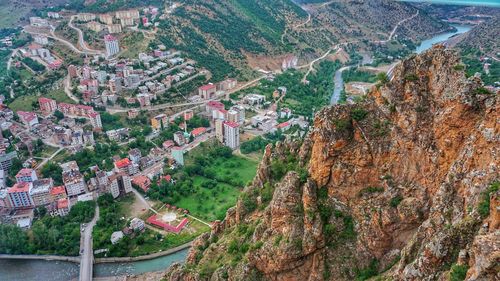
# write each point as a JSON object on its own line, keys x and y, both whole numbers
{"x": 81, "y": 39}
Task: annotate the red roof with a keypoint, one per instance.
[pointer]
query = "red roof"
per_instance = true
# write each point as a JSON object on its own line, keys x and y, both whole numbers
{"x": 168, "y": 143}
{"x": 207, "y": 87}
{"x": 122, "y": 163}
{"x": 198, "y": 131}
{"x": 216, "y": 104}
{"x": 25, "y": 172}
{"x": 231, "y": 124}
{"x": 176, "y": 229}
{"x": 109, "y": 37}
{"x": 45, "y": 100}
{"x": 20, "y": 187}
{"x": 283, "y": 125}
{"x": 142, "y": 181}
{"x": 62, "y": 203}
{"x": 93, "y": 114}
{"x": 56, "y": 190}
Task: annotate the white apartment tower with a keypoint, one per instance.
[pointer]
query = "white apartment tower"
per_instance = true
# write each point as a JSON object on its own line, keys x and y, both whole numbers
{"x": 232, "y": 134}
{"x": 112, "y": 47}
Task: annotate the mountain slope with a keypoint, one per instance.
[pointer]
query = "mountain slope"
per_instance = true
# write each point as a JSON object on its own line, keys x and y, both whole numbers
{"x": 483, "y": 37}
{"x": 401, "y": 185}
{"x": 225, "y": 35}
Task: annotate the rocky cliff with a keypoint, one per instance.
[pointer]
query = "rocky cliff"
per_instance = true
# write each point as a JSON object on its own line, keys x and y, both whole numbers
{"x": 402, "y": 186}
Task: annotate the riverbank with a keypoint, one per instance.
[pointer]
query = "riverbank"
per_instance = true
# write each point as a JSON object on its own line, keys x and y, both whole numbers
{"x": 145, "y": 257}
{"x": 40, "y": 257}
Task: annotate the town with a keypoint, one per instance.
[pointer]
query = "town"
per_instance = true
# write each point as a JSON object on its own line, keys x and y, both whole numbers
{"x": 124, "y": 127}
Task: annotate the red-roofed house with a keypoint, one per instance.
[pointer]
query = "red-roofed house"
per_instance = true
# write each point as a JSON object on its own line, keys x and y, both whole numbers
{"x": 207, "y": 91}
{"x": 284, "y": 126}
{"x": 63, "y": 207}
{"x": 126, "y": 166}
{"x": 142, "y": 181}
{"x": 56, "y": 64}
{"x": 19, "y": 195}
{"x": 168, "y": 144}
{"x": 26, "y": 175}
{"x": 28, "y": 118}
{"x": 47, "y": 106}
{"x": 58, "y": 192}
{"x": 198, "y": 131}
{"x": 214, "y": 105}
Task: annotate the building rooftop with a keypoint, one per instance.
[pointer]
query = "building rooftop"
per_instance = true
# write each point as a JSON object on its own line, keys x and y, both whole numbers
{"x": 231, "y": 124}
{"x": 56, "y": 190}
{"x": 63, "y": 203}
{"x": 207, "y": 87}
{"x": 122, "y": 163}
{"x": 20, "y": 187}
{"x": 25, "y": 172}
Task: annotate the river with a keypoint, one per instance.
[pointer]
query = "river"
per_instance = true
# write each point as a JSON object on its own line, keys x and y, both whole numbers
{"x": 39, "y": 270}
{"x": 425, "y": 45}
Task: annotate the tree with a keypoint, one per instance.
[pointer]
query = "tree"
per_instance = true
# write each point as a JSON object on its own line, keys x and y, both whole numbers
{"x": 58, "y": 114}
{"x": 54, "y": 171}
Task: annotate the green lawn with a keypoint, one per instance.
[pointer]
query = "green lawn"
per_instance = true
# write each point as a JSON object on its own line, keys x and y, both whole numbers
{"x": 46, "y": 151}
{"x": 23, "y": 103}
{"x": 59, "y": 95}
{"x": 212, "y": 204}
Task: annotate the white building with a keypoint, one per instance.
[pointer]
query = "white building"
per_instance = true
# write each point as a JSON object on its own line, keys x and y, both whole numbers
{"x": 95, "y": 120}
{"x": 42, "y": 40}
{"x": 232, "y": 134}
{"x": 112, "y": 47}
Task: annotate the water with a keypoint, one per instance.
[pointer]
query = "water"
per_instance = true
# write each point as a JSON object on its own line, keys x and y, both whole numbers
{"x": 39, "y": 270}
{"x": 490, "y": 3}
{"x": 427, "y": 44}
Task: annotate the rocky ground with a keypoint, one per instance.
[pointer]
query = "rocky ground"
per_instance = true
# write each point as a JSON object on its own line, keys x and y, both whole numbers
{"x": 400, "y": 186}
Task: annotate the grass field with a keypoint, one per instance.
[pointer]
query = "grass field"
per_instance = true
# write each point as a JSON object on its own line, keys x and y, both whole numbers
{"x": 23, "y": 103}
{"x": 59, "y": 95}
{"x": 46, "y": 151}
{"x": 11, "y": 12}
{"x": 212, "y": 204}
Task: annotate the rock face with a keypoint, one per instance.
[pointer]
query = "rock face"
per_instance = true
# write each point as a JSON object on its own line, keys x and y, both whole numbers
{"x": 396, "y": 186}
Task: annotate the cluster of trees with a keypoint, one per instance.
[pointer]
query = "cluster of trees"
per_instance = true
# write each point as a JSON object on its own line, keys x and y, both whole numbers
{"x": 101, "y": 155}
{"x": 34, "y": 65}
{"x": 54, "y": 171}
{"x": 354, "y": 74}
{"x": 48, "y": 235}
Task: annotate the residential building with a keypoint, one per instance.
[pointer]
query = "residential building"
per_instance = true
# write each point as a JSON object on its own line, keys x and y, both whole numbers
{"x": 28, "y": 118}
{"x": 114, "y": 28}
{"x": 53, "y": 15}
{"x": 219, "y": 129}
{"x": 95, "y": 26}
{"x": 232, "y": 134}
{"x": 241, "y": 113}
{"x": 63, "y": 207}
{"x": 254, "y": 99}
{"x": 219, "y": 114}
{"x": 95, "y": 120}
{"x": 179, "y": 138}
{"x": 116, "y": 237}
{"x": 233, "y": 116}
{"x": 289, "y": 62}
{"x": 178, "y": 155}
{"x": 112, "y": 47}
{"x": 85, "y": 17}
{"x": 106, "y": 18}
{"x": 47, "y": 106}
{"x": 207, "y": 91}
{"x": 134, "y": 14}
{"x": 41, "y": 39}
{"x": 4, "y": 199}
{"x": 159, "y": 122}
{"x": 126, "y": 22}
{"x": 285, "y": 113}
{"x": 168, "y": 144}
{"x": 19, "y": 195}
{"x": 142, "y": 182}
{"x": 6, "y": 160}
{"x": 40, "y": 193}
{"x": 135, "y": 155}
{"x": 133, "y": 113}
{"x": 198, "y": 131}
{"x": 228, "y": 84}
{"x": 72, "y": 178}
{"x": 26, "y": 175}
{"x": 137, "y": 224}
{"x": 188, "y": 114}
{"x": 38, "y": 22}
{"x": 119, "y": 183}
{"x": 58, "y": 192}
{"x": 126, "y": 166}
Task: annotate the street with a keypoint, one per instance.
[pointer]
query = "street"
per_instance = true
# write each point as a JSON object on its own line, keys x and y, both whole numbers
{"x": 87, "y": 256}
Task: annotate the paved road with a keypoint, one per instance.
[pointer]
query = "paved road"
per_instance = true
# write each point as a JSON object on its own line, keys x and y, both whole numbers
{"x": 87, "y": 257}
{"x": 81, "y": 39}
{"x": 67, "y": 89}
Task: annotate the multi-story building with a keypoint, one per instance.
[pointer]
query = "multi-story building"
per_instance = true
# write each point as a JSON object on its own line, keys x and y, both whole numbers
{"x": 19, "y": 195}
{"x": 41, "y": 39}
{"x": 178, "y": 155}
{"x": 219, "y": 130}
{"x": 53, "y": 15}
{"x": 58, "y": 192}
{"x": 63, "y": 207}
{"x": 85, "y": 17}
{"x": 233, "y": 116}
{"x": 106, "y": 18}
{"x": 159, "y": 122}
{"x": 231, "y": 134}
{"x": 112, "y": 47}
{"x": 126, "y": 22}
{"x": 28, "y": 118}
{"x": 73, "y": 71}
{"x": 88, "y": 138}
{"x": 119, "y": 183}
{"x": 72, "y": 178}
{"x": 135, "y": 155}
{"x": 126, "y": 166}
{"x": 207, "y": 91}
{"x": 95, "y": 120}
{"x": 6, "y": 160}
{"x": 188, "y": 114}
{"x": 114, "y": 28}
{"x": 26, "y": 175}
{"x": 241, "y": 113}
{"x": 4, "y": 199}
{"x": 40, "y": 193}
{"x": 214, "y": 105}
{"x": 134, "y": 14}
{"x": 179, "y": 138}
{"x": 47, "y": 106}
{"x": 38, "y": 22}
{"x": 115, "y": 85}
{"x": 95, "y": 26}
{"x": 228, "y": 84}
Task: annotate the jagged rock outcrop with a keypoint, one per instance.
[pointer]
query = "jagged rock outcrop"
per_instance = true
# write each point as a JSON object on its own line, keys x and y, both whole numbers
{"x": 398, "y": 185}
